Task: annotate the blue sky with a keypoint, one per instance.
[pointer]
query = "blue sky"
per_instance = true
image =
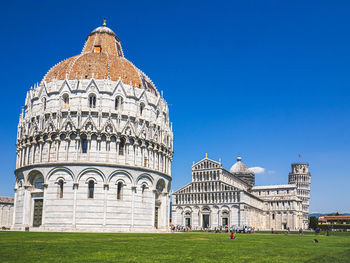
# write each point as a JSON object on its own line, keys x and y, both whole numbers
{"x": 264, "y": 79}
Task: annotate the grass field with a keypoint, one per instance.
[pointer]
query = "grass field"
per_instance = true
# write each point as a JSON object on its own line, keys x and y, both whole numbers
{"x": 172, "y": 247}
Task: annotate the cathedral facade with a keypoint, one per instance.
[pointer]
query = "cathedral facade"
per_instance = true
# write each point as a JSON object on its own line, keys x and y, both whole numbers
{"x": 218, "y": 198}
{"x": 94, "y": 146}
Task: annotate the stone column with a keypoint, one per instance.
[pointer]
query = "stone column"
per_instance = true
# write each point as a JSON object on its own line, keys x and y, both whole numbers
{"x": 14, "y": 208}
{"x": 134, "y": 151}
{"x": 105, "y": 189}
{"x": 68, "y": 147}
{"x": 77, "y": 147}
{"x": 98, "y": 150}
{"x": 58, "y": 145}
{"x": 133, "y": 191}
{"x": 20, "y": 155}
{"x": 88, "y": 138}
{"x": 34, "y": 150}
{"x": 44, "y": 205}
{"x": 108, "y": 142}
{"x": 26, "y": 206}
{"x": 75, "y": 189}
{"x": 49, "y": 141}
{"x": 126, "y": 150}
{"x": 28, "y": 153}
{"x": 41, "y": 142}
{"x": 117, "y": 146}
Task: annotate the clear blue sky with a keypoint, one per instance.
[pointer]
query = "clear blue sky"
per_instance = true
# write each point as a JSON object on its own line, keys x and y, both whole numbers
{"x": 265, "y": 79}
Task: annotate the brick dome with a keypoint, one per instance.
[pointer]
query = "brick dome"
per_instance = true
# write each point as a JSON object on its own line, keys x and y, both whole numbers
{"x": 102, "y": 57}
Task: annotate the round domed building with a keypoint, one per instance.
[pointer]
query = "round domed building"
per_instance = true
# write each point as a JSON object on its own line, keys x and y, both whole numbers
{"x": 94, "y": 146}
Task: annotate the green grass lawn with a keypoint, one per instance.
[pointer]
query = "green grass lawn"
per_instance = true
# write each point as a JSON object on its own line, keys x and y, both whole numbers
{"x": 172, "y": 247}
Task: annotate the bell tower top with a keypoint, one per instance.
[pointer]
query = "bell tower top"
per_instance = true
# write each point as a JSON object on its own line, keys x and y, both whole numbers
{"x": 300, "y": 168}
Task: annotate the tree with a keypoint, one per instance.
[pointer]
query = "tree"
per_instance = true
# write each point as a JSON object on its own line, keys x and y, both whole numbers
{"x": 313, "y": 222}
{"x": 335, "y": 214}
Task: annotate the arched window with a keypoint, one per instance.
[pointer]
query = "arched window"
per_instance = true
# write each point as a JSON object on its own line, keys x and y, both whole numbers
{"x": 91, "y": 189}
{"x": 92, "y": 101}
{"x": 143, "y": 193}
{"x": 120, "y": 191}
{"x": 84, "y": 145}
{"x": 121, "y": 146}
{"x": 118, "y": 103}
{"x": 60, "y": 188}
{"x": 44, "y": 103}
{"x": 65, "y": 99}
{"x": 142, "y": 107}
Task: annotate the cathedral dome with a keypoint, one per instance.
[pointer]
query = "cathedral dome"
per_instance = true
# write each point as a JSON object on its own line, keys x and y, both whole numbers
{"x": 102, "y": 57}
{"x": 239, "y": 167}
{"x": 242, "y": 172}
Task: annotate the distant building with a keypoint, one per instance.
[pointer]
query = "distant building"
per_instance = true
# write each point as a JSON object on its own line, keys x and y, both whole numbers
{"x": 217, "y": 198}
{"x": 6, "y": 211}
{"x": 334, "y": 219}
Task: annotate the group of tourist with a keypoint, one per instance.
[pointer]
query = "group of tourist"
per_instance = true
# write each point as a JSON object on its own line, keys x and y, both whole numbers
{"x": 226, "y": 229}
{"x": 180, "y": 228}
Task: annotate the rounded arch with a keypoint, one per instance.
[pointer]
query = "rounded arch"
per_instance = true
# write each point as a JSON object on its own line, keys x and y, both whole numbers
{"x": 120, "y": 180}
{"x": 188, "y": 209}
{"x": 122, "y": 172}
{"x": 94, "y": 170}
{"x": 144, "y": 176}
{"x": 225, "y": 209}
{"x": 36, "y": 180}
{"x": 179, "y": 209}
{"x": 161, "y": 185}
{"x": 205, "y": 209}
{"x": 91, "y": 178}
{"x": 31, "y": 176}
{"x": 60, "y": 178}
{"x": 57, "y": 169}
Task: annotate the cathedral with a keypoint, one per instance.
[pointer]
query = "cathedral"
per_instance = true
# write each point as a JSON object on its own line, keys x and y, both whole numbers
{"x": 94, "y": 146}
{"x": 217, "y": 198}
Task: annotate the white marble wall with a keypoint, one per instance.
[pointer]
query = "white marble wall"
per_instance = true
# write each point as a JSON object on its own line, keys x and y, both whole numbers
{"x": 104, "y": 212}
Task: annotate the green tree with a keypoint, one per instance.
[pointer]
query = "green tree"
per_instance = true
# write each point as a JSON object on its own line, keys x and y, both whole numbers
{"x": 313, "y": 222}
{"x": 335, "y": 214}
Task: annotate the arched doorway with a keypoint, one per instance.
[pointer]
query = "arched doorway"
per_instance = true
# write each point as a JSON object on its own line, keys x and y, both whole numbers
{"x": 225, "y": 218}
{"x": 188, "y": 220}
{"x": 36, "y": 181}
{"x": 205, "y": 218}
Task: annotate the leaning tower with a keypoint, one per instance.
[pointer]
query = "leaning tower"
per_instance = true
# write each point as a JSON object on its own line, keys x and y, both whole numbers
{"x": 301, "y": 177}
